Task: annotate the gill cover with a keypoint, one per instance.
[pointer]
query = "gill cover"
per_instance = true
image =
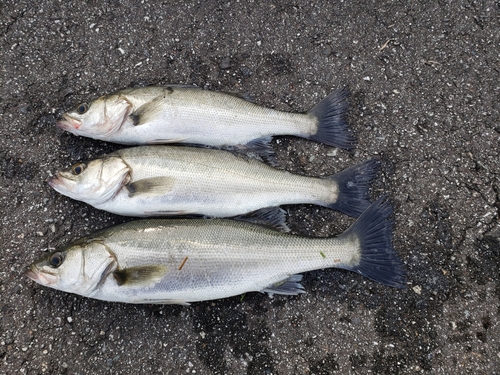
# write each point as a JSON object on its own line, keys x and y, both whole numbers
{"x": 94, "y": 182}
{"x": 79, "y": 268}
{"x": 99, "y": 119}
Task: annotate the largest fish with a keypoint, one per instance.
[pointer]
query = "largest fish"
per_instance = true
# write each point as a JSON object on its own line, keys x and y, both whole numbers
{"x": 186, "y": 114}
{"x": 182, "y": 261}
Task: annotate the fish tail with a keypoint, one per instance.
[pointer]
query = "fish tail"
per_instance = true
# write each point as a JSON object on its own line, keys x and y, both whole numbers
{"x": 332, "y": 126}
{"x": 377, "y": 259}
{"x": 352, "y": 186}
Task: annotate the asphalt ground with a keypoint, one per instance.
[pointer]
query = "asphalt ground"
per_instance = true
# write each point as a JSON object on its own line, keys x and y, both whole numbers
{"x": 424, "y": 83}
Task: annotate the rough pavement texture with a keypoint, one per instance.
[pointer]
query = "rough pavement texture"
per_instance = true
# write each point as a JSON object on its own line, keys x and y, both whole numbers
{"x": 424, "y": 82}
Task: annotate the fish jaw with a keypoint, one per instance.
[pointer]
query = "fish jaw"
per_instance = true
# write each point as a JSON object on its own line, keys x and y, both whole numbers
{"x": 58, "y": 185}
{"x": 69, "y": 124}
{"x": 40, "y": 277}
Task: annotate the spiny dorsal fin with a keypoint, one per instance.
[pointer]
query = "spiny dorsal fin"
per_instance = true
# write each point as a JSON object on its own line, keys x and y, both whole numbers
{"x": 155, "y": 186}
{"x": 140, "y": 276}
{"x": 245, "y": 96}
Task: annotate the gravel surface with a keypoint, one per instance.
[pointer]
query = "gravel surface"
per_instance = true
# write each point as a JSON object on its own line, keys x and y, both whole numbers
{"x": 424, "y": 82}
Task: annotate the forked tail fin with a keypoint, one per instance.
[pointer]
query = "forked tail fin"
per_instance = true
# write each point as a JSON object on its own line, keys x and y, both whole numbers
{"x": 353, "y": 185}
{"x": 332, "y": 126}
{"x": 378, "y": 260}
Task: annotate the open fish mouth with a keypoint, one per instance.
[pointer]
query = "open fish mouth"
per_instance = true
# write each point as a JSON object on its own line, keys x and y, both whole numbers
{"x": 68, "y": 123}
{"x": 40, "y": 277}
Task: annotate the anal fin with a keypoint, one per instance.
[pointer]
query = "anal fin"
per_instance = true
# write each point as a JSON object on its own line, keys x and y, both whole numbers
{"x": 260, "y": 148}
{"x": 274, "y": 217}
{"x": 181, "y": 214}
{"x": 164, "y": 302}
{"x": 290, "y": 286}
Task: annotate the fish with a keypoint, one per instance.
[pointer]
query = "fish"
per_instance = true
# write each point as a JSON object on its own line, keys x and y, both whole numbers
{"x": 150, "y": 181}
{"x": 168, "y": 261}
{"x": 190, "y": 115}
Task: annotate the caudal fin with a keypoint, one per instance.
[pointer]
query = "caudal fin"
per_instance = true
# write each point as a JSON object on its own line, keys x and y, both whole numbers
{"x": 378, "y": 260}
{"x": 353, "y": 185}
{"x": 332, "y": 127}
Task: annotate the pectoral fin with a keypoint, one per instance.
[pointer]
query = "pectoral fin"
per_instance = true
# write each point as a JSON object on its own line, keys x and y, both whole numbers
{"x": 141, "y": 276}
{"x": 289, "y": 286}
{"x": 155, "y": 186}
{"x": 148, "y": 111}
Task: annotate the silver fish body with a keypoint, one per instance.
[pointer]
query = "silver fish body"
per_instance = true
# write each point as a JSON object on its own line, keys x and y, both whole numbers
{"x": 181, "y": 114}
{"x": 166, "y": 180}
{"x": 182, "y": 261}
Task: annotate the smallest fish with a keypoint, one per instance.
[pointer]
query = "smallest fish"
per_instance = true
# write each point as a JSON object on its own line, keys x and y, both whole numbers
{"x": 189, "y": 115}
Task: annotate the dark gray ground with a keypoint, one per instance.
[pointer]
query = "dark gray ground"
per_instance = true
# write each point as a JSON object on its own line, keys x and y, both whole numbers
{"x": 424, "y": 81}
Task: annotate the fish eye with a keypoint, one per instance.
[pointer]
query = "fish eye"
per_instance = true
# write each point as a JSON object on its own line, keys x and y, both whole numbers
{"x": 56, "y": 259}
{"x": 78, "y": 168}
{"x": 82, "y": 108}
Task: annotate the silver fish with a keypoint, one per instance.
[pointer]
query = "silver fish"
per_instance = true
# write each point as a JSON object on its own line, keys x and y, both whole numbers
{"x": 167, "y": 180}
{"x": 186, "y": 114}
{"x": 182, "y": 261}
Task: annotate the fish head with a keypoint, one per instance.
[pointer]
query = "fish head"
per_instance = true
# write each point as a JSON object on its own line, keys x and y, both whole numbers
{"x": 80, "y": 267}
{"x": 98, "y": 119}
{"x": 94, "y": 182}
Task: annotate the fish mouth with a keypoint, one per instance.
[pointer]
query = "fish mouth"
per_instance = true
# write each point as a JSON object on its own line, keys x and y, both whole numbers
{"x": 55, "y": 183}
{"x": 68, "y": 123}
{"x": 40, "y": 277}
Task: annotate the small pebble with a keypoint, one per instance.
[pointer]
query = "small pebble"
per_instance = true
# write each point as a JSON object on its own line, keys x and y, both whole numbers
{"x": 246, "y": 72}
{"x": 327, "y": 51}
{"x": 225, "y": 63}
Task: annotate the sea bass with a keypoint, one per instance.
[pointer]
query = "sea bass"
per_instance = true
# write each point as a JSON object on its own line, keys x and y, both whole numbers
{"x": 182, "y": 261}
{"x": 187, "y": 114}
{"x": 167, "y": 180}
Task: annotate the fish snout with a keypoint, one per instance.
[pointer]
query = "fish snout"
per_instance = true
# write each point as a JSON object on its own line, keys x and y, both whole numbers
{"x": 40, "y": 277}
{"x": 31, "y": 274}
{"x": 68, "y": 123}
{"x": 54, "y": 182}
